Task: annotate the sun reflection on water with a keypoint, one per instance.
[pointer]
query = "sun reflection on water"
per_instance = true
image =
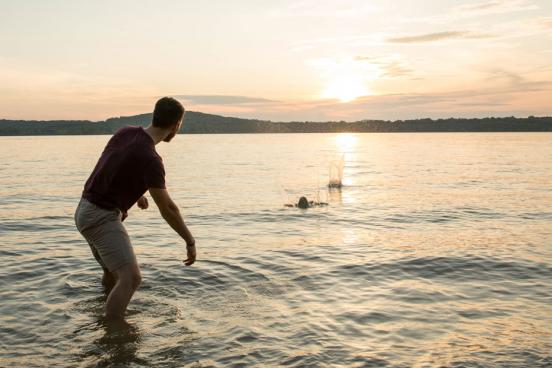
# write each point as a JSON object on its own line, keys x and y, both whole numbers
{"x": 346, "y": 142}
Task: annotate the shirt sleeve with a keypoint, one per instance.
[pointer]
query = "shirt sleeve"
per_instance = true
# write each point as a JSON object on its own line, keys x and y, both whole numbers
{"x": 155, "y": 174}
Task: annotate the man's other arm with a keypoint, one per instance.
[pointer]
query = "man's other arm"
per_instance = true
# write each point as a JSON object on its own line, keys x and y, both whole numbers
{"x": 171, "y": 214}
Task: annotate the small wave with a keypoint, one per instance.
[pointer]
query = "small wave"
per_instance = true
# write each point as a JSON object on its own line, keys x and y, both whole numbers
{"x": 467, "y": 268}
{"x": 37, "y": 224}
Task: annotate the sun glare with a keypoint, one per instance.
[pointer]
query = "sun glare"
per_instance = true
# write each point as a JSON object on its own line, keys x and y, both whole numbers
{"x": 345, "y": 142}
{"x": 345, "y": 79}
{"x": 345, "y": 89}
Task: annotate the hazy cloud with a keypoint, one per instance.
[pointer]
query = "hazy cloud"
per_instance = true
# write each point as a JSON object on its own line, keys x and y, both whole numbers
{"x": 438, "y": 36}
{"x": 372, "y": 39}
{"x": 222, "y": 99}
{"x": 477, "y": 9}
{"x": 514, "y": 79}
{"x": 315, "y": 8}
{"x": 542, "y": 23}
{"x": 480, "y": 6}
{"x": 517, "y": 96}
{"x": 496, "y": 6}
{"x": 391, "y": 66}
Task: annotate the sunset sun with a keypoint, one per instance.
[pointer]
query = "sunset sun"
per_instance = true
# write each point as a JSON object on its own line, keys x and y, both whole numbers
{"x": 345, "y": 79}
{"x": 345, "y": 89}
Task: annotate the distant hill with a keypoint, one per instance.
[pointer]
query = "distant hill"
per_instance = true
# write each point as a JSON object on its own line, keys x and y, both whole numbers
{"x": 200, "y": 123}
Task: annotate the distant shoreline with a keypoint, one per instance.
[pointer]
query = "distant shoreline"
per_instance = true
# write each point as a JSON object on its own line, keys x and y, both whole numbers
{"x": 200, "y": 123}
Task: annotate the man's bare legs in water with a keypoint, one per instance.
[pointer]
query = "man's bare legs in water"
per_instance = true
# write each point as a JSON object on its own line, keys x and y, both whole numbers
{"x": 108, "y": 281}
{"x": 119, "y": 287}
{"x": 121, "y": 284}
{"x": 110, "y": 278}
{"x": 126, "y": 280}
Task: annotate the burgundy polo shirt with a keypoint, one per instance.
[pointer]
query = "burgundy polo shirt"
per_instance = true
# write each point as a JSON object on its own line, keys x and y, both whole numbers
{"x": 127, "y": 168}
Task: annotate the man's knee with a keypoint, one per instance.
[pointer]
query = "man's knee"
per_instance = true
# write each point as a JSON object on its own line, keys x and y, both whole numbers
{"x": 129, "y": 275}
{"x": 108, "y": 279}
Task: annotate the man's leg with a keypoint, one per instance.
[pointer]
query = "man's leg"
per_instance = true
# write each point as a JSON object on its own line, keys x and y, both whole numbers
{"x": 108, "y": 281}
{"x": 109, "y": 278}
{"x": 128, "y": 279}
{"x": 111, "y": 247}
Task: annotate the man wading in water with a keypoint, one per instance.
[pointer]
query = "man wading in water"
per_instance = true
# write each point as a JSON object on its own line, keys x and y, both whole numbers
{"x": 128, "y": 166}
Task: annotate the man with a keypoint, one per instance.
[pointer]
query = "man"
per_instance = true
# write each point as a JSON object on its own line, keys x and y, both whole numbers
{"x": 128, "y": 166}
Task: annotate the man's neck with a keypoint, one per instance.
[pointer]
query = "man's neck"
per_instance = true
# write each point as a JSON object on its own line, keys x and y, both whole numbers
{"x": 157, "y": 134}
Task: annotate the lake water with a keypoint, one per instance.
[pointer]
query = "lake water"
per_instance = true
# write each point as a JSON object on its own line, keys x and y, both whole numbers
{"x": 436, "y": 252}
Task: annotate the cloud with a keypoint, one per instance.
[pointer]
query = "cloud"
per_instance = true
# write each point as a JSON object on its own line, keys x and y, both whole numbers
{"x": 525, "y": 98}
{"x": 474, "y": 10}
{"x": 343, "y": 41}
{"x": 480, "y": 6}
{"x": 222, "y": 99}
{"x": 503, "y": 93}
{"x": 438, "y": 36}
{"x": 392, "y": 66}
{"x": 315, "y": 8}
{"x": 543, "y": 23}
{"x": 513, "y": 79}
{"x": 495, "y": 6}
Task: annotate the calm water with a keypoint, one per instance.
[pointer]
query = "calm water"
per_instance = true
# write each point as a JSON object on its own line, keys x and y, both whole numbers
{"x": 436, "y": 252}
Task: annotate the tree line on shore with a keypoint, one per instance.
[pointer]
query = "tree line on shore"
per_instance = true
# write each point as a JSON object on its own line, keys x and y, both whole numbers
{"x": 200, "y": 123}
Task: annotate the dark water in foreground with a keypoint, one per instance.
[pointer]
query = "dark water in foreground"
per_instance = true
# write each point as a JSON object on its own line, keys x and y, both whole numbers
{"x": 436, "y": 252}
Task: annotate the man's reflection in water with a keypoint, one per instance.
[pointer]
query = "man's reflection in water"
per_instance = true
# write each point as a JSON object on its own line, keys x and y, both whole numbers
{"x": 120, "y": 342}
{"x": 118, "y": 345}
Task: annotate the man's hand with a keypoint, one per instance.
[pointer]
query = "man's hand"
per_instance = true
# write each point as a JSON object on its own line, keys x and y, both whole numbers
{"x": 143, "y": 203}
{"x": 191, "y": 255}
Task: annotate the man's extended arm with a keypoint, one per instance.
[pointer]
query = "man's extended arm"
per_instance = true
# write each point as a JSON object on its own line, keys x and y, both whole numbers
{"x": 171, "y": 214}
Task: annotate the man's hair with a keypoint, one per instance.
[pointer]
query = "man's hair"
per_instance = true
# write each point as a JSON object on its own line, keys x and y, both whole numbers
{"x": 167, "y": 112}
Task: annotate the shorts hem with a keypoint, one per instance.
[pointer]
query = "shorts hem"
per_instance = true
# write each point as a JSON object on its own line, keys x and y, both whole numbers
{"x": 121, "y": 264}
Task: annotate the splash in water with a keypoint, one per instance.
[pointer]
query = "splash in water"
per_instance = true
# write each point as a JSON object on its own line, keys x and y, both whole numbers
{"x": 336, "y": 173}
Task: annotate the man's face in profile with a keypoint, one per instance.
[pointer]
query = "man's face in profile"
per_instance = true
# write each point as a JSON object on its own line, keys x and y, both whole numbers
{"x": 174, "y": 130}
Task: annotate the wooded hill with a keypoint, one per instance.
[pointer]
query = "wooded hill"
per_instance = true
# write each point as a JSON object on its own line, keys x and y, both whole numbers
{"x": 200, "y": 123}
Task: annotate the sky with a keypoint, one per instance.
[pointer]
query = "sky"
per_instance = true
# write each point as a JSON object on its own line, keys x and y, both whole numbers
{"x": 302, "y": 60}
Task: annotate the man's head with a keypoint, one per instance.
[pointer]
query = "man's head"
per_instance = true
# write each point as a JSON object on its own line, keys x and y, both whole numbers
{"x": 168, "y": 115}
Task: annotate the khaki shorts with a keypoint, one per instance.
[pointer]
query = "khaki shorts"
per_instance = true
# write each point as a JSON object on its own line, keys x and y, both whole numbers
{"x": 106, "y": 235}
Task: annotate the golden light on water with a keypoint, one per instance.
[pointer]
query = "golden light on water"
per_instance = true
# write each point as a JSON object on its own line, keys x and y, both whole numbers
{"x": 346, "y": 142}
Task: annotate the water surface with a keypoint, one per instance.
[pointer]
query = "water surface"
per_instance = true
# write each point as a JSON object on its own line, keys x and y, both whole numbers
{"x": 436, "y": 252}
